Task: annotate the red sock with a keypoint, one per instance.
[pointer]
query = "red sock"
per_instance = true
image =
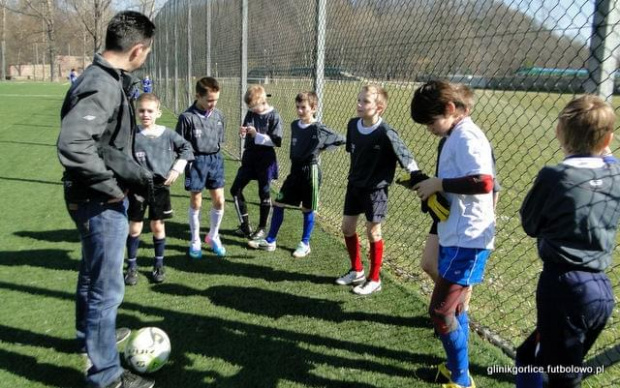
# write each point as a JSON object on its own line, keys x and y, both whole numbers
{"x": 353, "y": 247}
{"x": 376, "y": 258}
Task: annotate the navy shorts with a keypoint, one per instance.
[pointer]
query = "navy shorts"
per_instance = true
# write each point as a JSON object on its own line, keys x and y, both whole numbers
{"x": 160, "y": 209}
{"x": 301, "y": 186}
{"x": 572, "y": 310}
{"x": 205, "y": 172}
{"x": 259, "y": 164}
{"x": 373, "y": 203}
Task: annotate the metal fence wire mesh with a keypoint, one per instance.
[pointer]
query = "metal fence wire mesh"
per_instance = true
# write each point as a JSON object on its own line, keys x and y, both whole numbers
{"x": 525, "y": 59}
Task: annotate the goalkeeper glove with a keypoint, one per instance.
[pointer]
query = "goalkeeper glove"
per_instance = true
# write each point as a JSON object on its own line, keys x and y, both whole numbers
{"x": 437, "y": 206}
{"x": 411, "y": 179}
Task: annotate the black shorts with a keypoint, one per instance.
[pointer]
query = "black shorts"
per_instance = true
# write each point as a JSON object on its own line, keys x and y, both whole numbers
{"x": 373, "y": 203}
{"x": 160, "y": 209}
{"x": 301, "y": 186}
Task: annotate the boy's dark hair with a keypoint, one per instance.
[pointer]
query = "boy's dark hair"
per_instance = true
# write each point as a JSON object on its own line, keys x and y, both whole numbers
{"x": 309, "y": 97}
{"x": 430, "y": 100}
{"x": 584, "y": 123}
{"x": 206, "y": 84}
{"x": 127, "y": 29}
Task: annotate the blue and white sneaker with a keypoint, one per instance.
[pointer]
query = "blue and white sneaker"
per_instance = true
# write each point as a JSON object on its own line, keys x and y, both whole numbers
{"x": 195, "y": 254}
{"x": 216, "y": 246}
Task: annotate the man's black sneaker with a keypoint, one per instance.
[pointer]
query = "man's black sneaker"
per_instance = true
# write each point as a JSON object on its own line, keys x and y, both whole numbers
{"x": 131, "y": 277}
{"x": 129, "y": 380}
{"x": 244, "y": 230}
{"x": 259, "y": 234}
{"x": 159, "y": 274}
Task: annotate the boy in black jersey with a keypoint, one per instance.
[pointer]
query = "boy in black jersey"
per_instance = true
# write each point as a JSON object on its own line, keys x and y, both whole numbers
{"x": 203, "y": 125}
{"x": 375, "y": 149}
{"x": 165, "y": 153}
{"x": 308, "y": 139}
{"x": 573, "y": 210}
{"x": 261, "y": 131}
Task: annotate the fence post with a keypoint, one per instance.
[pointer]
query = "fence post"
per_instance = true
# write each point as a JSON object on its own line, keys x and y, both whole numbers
{"x": 208, "y": 38}
{"x": 319, "y": 70}
{"x": 167, "y": 65}
{"x": 188, "y": 87}
{"x": 244, "y": 64}
{"x": 603, "y": 41}
{"x": 176, "y": 60}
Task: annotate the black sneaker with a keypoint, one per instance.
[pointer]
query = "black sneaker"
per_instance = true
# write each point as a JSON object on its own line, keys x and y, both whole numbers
{"x": 129, "y": 380}
{"x": 244, "y": 230}
{"x": 259, "y": 234}
{"x": 131, "y": 277}
{"x": 122, "y": 333}
{"x": 158, "y": 274}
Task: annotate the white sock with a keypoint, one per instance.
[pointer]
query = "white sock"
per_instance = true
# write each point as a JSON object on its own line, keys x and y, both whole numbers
{"x": 194, "y": 226}
{"x": 216, "y": 221}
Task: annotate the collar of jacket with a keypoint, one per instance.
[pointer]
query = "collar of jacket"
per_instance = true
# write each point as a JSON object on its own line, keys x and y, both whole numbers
{"x": 127, "y": 79}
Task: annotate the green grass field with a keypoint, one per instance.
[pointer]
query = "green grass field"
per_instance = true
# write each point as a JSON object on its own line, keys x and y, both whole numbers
{"x": 253, "y": 319}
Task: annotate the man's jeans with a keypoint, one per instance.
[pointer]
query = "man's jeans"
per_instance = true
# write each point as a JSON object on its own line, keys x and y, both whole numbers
{"x": 103, "y": 231}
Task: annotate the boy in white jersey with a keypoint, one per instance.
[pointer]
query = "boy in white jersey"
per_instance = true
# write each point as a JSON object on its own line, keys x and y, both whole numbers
{"x": 465, "y": 177}
{"x": 375, "y": 150}
{"x": 165, "y": 153}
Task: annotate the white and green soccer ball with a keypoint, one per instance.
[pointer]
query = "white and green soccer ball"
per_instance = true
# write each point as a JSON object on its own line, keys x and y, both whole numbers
{"x": 147, "y": 349}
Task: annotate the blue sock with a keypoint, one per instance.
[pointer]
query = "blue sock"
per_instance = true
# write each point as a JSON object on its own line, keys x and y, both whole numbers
{"x": 455, "y": 345}
{"x": 133, "y": 243}
{"x": 308, "y": 226}
{"x": 159, "y": 245}
{"x": 277, "y": 217}
{"x": 463, "y": 319}
{"x": 528, "y": 380}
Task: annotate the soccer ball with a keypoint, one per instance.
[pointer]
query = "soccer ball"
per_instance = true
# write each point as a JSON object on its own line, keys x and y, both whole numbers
{"x": 147, "y": 349}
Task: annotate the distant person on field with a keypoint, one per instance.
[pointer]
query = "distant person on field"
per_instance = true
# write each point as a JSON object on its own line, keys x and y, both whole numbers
{"x": 203, "y": 126}
{"x": 572, "y": 210}
{"x": 96, "y": 117}
{"x": 375, "y": 150}
{"x": 465, "y": 179}
{"x": 147, "y": 85}
{"x": 262, "y": 131}
{"x": 165, "y": 153}
{"x": 301, "y": 187}
{"x": 73, "y": 76}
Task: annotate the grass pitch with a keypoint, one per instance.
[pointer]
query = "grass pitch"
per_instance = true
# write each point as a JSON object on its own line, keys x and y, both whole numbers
{"x": 252, "y": 319}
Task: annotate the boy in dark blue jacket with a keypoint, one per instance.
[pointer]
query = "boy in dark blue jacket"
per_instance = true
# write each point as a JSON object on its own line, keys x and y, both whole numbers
{"x": 573, "y": 211}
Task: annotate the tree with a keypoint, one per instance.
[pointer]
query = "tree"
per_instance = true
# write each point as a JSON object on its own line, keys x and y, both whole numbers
{"x": 93, "y": 15}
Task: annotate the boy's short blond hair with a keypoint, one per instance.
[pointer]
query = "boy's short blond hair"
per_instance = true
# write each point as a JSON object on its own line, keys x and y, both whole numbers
{"x": 254, "y": 95}
{"x": 381, "y": 94}
{"x": 148, "y": 97}
{"x": 584, "y": 124}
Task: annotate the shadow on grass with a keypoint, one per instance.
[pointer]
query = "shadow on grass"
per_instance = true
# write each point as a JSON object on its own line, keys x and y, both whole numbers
{"x": 217, "y": 266}
{"x": 48, "y": 374}
{"x": 44, "y": 258}
{"x": 6, "y": 178}
{"x": 59, "y": 235}
{"x": 263, "y": 356}
{"x": 276, "y": 305}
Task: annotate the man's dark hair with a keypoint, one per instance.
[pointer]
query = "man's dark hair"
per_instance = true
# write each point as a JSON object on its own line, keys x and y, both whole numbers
{"x": 128, "y": 28}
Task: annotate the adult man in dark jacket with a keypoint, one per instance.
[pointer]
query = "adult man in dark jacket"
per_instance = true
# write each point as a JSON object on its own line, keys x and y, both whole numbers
{"x": 96, "y": 113}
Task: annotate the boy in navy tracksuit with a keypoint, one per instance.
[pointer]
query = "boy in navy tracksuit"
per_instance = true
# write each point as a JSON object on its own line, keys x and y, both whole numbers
{"x": 573, "y": 210}
{"x": 308, "y": 139}
{"x": 261, "y": 131}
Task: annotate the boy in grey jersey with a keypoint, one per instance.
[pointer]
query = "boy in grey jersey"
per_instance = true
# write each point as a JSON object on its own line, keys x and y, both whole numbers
{"x": 165, "y": 153}
{"x": 572, "y": 210}
{"x": 203, "y": 125}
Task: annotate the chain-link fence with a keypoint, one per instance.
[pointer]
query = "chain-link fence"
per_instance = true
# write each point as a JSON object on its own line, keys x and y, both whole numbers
{"x": 525, "y": 59}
